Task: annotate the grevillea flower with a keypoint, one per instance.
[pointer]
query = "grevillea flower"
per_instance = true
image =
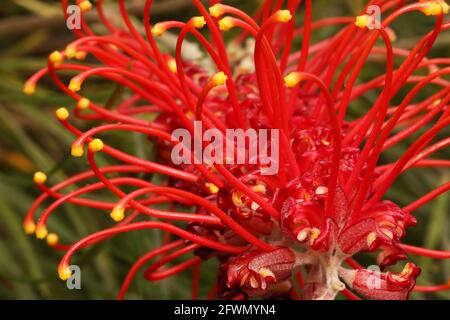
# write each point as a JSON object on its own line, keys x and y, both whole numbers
{"x": 328, "y": 201}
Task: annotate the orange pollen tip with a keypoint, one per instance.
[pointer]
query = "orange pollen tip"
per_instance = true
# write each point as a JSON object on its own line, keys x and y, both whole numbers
{"x": 216, "y": 10}
{"x": 96, "y": 145}
{"x": 219, "y": 79}
{"x": 283, "y": 16}
{"x": 85, "y": 6}
{"x": 226, "y": 23}
{"x": 52, "y": 239}
{"x": 29, "y": 227}
{"x": 39, "y": 177}
{"x": 64, "y": 272}
{"x": 83, "y": 103}
{"x": 62, "y": 114}
{"x": 118, "y": 214}
{"x": 198, "y": 22}
{"x": 292, "y": 79}
{"x": 41, "y": 232}
{"x": 77, "y": 150}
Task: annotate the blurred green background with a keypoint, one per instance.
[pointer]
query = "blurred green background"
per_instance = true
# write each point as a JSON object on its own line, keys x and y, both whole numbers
{"x": 31, "y": 139}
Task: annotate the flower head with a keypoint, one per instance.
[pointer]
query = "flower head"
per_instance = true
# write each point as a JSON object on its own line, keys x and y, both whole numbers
{"x": 327, "y": 201}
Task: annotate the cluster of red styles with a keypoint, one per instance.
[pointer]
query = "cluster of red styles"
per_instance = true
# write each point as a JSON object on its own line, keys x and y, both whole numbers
{"x": 291, "y": 235}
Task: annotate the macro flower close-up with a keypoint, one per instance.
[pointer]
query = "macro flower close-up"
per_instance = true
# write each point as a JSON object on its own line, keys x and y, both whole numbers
{"x": 232, "y": 150}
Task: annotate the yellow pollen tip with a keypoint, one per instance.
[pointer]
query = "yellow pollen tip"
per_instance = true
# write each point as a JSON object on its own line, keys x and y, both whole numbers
{"x": 216, "y": 10}
{"x": 62, "y": 114}
{"x": 52, "y": 239}
{"x": 283, "y": 15}
{"x": 77, "y": 151}
{"x": 236, "y": 198}
{"x": 29, "y": 89}
{"x": 371, "y": 238}
{"x": 264, "y": 272}
{"x": 70, "y": 52}
{"x": 83, "y": 103}
{"x": 118, "y": 214}
{"x": 158, "y": 30}
{"x": 362, "y": 21}
{"x": 198, "y": 22}
{"x": 39, "y": 177}
{"x": 29, "y": 227}
{"x": 75, "y": 85}
{"x": 55, "y": 57}
{"x": 226, "y": 23}
{"x": 435, "y": 8}
{"x": 292, "y": 79}
{"x": 41, "y": 232}
{"x": 315, "y": 232}
{"x": 85, "y": 6}
{"x": 219, "y": 79}
{"x": 81, "y": 55}
{"x": 172, "y": 64}
{"x": 64, "y": 272}
{"x": 96, "y": 145}
{"x": 212, "y": 187}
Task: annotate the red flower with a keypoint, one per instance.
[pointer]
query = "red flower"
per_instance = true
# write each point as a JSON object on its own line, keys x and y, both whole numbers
{"x": 323, "y": 207}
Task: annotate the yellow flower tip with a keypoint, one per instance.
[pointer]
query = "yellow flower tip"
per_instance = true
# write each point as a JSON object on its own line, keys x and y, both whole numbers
{"x": 216, "y": 10}
{"x": 77, "y": 151}
{"x": 292, "y": 79}
{"x": 41, "y": 232}
{"x": 213, "y": 189}
{"x": 64, "y": 272}
{"x": 81, "y": 55}
{"x": 190, "y": 115}
{"x": 158, "y": 29}
{"x": 219, "y": 79}
{"x": 172, "y": 64}
{"x": 29, "y": 227}
{"x": 226, "y": 23}
{"x": 283, "y": 16}
{"x": 56, "y": 58}
{"x": 118, "y": 214}
{"x": 75, "y": 85}
{"x": 85, "y": 6}
{"x": 371, "y": 237}
{"x": 29, "y": 89}
{"x": 435, "y": 8}
{"x": 362, "y": 21}
{"x": 62, "y": 114}
{"x": 52, "y": 239}
{"x": 70, "y": 52}
{"x": 391, "y": 34}
{"x": 198, "y": 22}
{"x": 315, "y": 232}
{"x": 39, "y": 177}
{"x": 83, "y": 103}
{"x": 96, "y": 145}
